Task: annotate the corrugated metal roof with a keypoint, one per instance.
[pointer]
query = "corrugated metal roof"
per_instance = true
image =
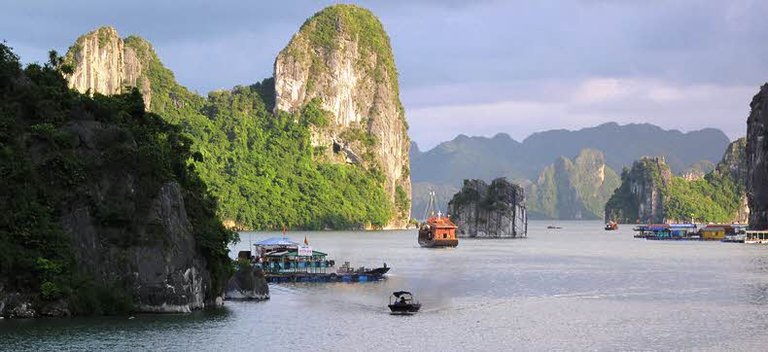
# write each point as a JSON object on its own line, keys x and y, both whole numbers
{"x": 276, "y": 241}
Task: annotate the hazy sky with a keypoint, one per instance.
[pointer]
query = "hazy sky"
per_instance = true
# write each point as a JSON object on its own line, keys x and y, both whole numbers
{"x": 475, "y": 68}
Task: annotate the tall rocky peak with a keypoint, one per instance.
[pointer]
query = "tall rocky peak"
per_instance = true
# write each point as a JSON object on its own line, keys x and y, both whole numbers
{"x": 640, "y": 198}
{"x": 757, "y": 160}
{"x": 573, "y": 189}
{"x": 734, "y": 166}
{"x": 734, "y": 162}
{"x": 342, "y": 59}
{"x": 104, "y": 64}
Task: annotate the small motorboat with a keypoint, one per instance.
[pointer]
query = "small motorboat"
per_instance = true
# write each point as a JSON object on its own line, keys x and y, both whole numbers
{"x": 611, "y": 226}
{"x": 553, "y": 227}
{"x": 402, "y": 302}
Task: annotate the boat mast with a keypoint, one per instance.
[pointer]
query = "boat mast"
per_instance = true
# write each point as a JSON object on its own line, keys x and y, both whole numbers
{"x": 429, "y": 210}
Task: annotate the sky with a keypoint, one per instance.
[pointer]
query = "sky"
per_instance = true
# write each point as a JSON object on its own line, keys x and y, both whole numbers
{"x": 474, "y": 67}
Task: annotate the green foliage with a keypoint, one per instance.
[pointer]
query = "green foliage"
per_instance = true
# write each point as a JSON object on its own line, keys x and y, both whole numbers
{"x": 314, "y": 115}
{"x": 623, "y": 206}
{"x": 324, "y": 29}
{"x": 261, "y": 166}
{"x": 50, "y": 291}
{"x": 573, "y": 189}
{"x": 714, "y": 198}
{"x": 33, "y": 248}
{"x": 43, "y": 173}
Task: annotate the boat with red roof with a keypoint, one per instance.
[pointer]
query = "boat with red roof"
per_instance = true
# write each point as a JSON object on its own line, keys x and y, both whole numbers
{"x": 437, "y": 230}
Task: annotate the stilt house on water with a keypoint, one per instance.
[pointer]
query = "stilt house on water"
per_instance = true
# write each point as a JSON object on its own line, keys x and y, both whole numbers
{"x": 281, "y": 255}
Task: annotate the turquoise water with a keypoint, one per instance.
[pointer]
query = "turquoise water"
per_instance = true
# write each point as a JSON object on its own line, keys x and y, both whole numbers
{"x": 578, "y": 288}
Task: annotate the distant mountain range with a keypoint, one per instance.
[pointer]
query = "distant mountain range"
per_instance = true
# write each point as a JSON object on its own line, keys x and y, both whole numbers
{"x": 444, "y": 167}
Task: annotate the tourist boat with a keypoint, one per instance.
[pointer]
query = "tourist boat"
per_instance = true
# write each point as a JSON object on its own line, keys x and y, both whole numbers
{"x": 402, "y": 302}
{"x": 437, "y": 230}
{"x": 611, "y": 226}
{"x": 756, "y": 237}
{"x": 284, "y": 260}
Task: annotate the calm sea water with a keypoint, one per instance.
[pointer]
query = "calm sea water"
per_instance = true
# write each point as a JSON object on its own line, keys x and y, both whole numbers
{"x": 578, "y": 288}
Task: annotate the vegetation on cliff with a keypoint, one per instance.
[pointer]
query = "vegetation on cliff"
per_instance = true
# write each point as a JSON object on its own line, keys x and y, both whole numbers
{"x": 717, "y": 197}
{"x": 325, "y": 29}
{"x": 44, "y": 176}
{"x": 341, "y": 60}
{"x": 263, "y": 168}
{"x": 258, "y": 164}
{"x": 573, "y": 189}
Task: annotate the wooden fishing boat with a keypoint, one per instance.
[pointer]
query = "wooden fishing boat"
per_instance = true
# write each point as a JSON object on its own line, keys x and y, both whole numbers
{"x": 437, "y": 230}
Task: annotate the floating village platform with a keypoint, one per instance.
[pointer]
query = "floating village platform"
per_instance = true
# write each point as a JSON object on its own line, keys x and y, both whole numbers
{"x": 690, "y": 232}
{"x": 284, "y": 260}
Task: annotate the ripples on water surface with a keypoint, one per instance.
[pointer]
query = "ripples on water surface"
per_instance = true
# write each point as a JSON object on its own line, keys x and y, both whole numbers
{"x": 578, "y": 288}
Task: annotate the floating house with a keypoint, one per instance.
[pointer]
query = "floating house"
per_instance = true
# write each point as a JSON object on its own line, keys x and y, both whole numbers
{"x": 282, "y": 255}
{"x": 714, "y": 233}
{"x": 284, "y": 260}
{"x": 668, "y": 232}
{"x": 721, "y": 232}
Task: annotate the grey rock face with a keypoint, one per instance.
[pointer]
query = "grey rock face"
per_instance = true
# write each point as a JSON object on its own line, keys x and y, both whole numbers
{"x": 757, "y": 160}
{"x": 16, "y": 305}
{"x": 104, "y": 64}
{"x": 495, "y": 211}
{"x": 144, "y": 241}
{"x": 352, "y": 82}
{"x": 573, "y": 190}
{"x": 640, "y": 197}
{"x": 734, "y": 165}
{"x": 248, "y": 283}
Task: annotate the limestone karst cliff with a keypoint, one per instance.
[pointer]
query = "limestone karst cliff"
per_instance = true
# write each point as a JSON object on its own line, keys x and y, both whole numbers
{"x": 573, "y": 189}
{"x": 492, "y": 211}
{"x": 731, "y": 174}
{"x": 102, "y": 213}
{"x": 356, "y": 181}
{"x": 640, "y": 197}
{"x": 104, "y": 64}
{"x": 341, "y": 56}
{"x": 107, "y": 64}
{"x": 650, "y": 193}
{"x": 757, "y": 160}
